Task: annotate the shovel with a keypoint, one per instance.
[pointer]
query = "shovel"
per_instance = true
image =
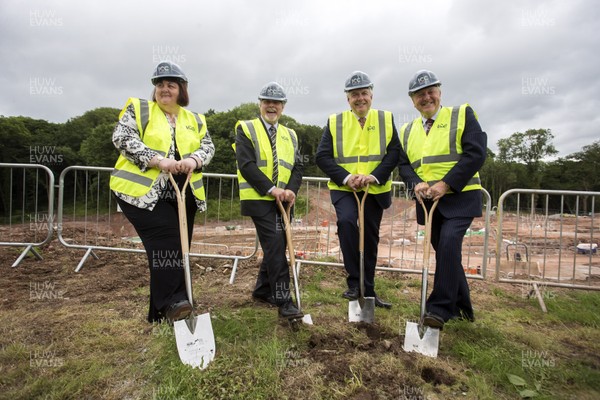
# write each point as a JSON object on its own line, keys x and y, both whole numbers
{"x": 419, "y": 338}
{"x": 194, "y": 334}
{"x": 285, "y": 214}
{"x": 363, "y": 309}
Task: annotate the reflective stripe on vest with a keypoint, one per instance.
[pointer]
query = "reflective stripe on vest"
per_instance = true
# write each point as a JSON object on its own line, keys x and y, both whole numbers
{"x": 450, "y": 122}
{"x": 341, "y": 159}
{"x": 190, "y": 129}
{"x": 373, "y": 140}
{"x": 255, "y": 131}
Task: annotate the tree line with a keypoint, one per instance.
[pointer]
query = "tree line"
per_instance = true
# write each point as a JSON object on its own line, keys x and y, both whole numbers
{"x": 521, "y": 160}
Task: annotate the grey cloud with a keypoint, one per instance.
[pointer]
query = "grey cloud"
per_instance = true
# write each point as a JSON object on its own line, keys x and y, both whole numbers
{"x": 521, "y": 65}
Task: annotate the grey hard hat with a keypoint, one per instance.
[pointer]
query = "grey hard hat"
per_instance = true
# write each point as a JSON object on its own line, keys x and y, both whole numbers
{"x": 421, "y": 80}
{"x": 167, "y": 69}
{"x": 357, "y": 80}
{"x": 272, "y": 91}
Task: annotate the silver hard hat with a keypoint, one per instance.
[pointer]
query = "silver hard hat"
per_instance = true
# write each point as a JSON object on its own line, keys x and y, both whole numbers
{"x": 358, "y": 80}
{"x": 421, "y": 80}
{"x": 272, "y": 91}
{"x": 167, "y": 69}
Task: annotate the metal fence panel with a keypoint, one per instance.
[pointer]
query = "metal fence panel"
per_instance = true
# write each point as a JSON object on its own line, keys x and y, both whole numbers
{"x": 400, "y": 246}
{"x": 548, "y": 238}
{"x": 89, "y": 218}
{"x": 27, "y": 209}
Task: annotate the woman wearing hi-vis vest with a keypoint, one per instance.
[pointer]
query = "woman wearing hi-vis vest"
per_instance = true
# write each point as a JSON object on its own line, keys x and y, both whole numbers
{"x": 156, "y": 138}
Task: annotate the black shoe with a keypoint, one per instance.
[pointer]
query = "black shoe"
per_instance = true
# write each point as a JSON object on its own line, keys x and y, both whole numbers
{"x": 178, "y": 310}
{"x": 381, "y": 303}
{"x": 351, "y": 294}
{"x": 433, "y": 321}
{"x": 265, "y": 299}
{"x": 290, "y": 311}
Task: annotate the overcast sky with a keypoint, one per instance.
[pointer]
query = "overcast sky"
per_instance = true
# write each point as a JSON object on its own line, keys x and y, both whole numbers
{"x": 520, "y": 64}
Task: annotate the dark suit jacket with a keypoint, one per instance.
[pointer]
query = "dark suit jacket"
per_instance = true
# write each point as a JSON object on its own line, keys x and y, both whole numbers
{"x": 246, "y": 161}
{"x": 337, "y": 174}
{"x": 456, "y": 204}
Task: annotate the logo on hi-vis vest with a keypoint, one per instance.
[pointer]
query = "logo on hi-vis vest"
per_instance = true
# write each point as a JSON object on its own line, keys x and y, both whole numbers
{"x": 441, "y": 126}
{"x": 190, "y": 128}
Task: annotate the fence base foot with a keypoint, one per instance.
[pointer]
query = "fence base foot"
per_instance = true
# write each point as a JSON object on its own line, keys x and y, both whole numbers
{"x": 28, "y": 249}
{"x": 233, "y": 270}
{"x": 85, "y": 256}
{"x": 536, "y": 290}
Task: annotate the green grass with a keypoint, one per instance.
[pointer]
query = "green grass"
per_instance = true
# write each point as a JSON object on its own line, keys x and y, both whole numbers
{"x": 522, "y": 342}
{"x": 107, "y": 350}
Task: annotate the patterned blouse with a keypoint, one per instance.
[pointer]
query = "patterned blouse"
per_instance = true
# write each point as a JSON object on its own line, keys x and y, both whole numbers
{"x": 126, "y": 139}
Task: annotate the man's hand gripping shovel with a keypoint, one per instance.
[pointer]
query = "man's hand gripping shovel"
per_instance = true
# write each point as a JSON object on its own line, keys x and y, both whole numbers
{"x": 194, "y": 335}
{"x": 363, "y": 309}
{"x": 419, "y": 338}
{"x": 286, "y": 215}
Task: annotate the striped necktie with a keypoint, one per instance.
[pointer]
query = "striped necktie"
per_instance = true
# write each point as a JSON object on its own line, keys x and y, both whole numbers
{"x": 428, "y": 125}
{"x": 273, "y": 137}
{"x": 362, "y": 121}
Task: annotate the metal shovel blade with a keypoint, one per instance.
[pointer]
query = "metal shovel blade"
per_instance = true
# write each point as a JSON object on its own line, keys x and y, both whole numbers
{"x": 307, "y": 319}
{"x": 366, "y": 313}
{"x": 196, "y": 348}
{"x": 427, "y": 345}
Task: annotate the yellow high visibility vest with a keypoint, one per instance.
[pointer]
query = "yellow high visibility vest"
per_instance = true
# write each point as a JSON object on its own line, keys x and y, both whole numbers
{"x": 360, "y": 150}
{"x": 152, "y": 125}
{"x": 286, "y": 146}
{"x": 433, "y": 155}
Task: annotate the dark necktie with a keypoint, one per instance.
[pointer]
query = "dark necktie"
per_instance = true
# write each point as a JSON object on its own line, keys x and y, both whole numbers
{"x": 428, "y": 125}
{"x": 273, "y": 137}
{"x": 362, "y": 121}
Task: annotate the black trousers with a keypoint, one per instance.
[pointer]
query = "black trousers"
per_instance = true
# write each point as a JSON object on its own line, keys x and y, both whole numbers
{"x": 450, "y": 295}
{"x": 274, "y": 273}
{"x": 159, "y": 231}
{"x": 346, "y": 210}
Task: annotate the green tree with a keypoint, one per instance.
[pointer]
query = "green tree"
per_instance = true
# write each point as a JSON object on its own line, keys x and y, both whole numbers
{"x": 587, "y": 165}
{"x": 97, "y": 149}
{"x": 77, "y": 129}
{"x": 529, "y": 148}
{"x": 15, "y": 140}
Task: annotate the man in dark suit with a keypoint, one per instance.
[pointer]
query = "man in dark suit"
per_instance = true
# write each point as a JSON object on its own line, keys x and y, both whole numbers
{"x": 442, "y": 152}
{"x": 269, "y": 170}
{"x": 359, "y": 147}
